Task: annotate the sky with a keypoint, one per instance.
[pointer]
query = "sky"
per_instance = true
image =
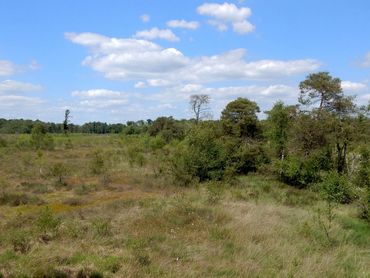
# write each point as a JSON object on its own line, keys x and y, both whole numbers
{"x": 115, "y": 61}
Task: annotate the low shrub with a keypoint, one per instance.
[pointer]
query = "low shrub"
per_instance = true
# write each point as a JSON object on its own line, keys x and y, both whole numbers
{"x": 21, "y": 241}
{"x": 336, "y": 188}
{"x": 47, "y": 222}
{"x": 18, "y": 199}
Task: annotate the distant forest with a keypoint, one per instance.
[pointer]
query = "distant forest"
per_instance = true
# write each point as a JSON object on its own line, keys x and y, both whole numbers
{"x": 21, "y": 126}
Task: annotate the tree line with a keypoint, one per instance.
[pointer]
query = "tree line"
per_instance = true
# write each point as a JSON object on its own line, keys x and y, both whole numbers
{"x": 322, "y": 141}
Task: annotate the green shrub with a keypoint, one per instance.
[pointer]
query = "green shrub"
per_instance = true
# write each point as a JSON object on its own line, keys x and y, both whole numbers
{"x": 3, "y": 143}
{"x": 97, "y": 163}
{"x": 362, "y": 176}
{"x": 59, "y": 171}
{"x": 135, "y": 154}
{"x": 200, "y": 157}
{"x": 40, "y": 139}
{"x": 364, "y": 205}
{"x": 47, "y": 222}
{"x": 336, "y": 188}
{"x": 298, "y": 172}
{"x": 166, "y": 127}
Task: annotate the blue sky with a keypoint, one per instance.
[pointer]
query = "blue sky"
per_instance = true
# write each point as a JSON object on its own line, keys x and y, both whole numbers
{"x": 128, "y": 60}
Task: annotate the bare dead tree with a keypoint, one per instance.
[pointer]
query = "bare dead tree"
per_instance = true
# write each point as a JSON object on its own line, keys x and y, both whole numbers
{"x": 199, "y": 106}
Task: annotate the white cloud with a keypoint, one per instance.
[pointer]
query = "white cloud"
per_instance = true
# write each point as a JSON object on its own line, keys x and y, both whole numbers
{"x": 128, "y": 59}
{"x": 8, "y": 68}
{"x": 100, "y": 98}
{"x": 12, "y": 86}
{"x": 145, "y": 18}
{"x": 155, "y": 33}
{"x": 220, "y": 26}
{"x": 98, "y": 104}
{"x": 349, "y": 86}
{"x": 140, "y": 85}
{"x": 96, "y": 93}
{"x": 243, "y": 27}
{"x": 225, "y": 13}
{"x": 366, "y": 61}
{"x": 254, "y": 92}
{"x": 18, "y": 101}
{"x": 146, "y": 63}
{"x": 193, "y": 25}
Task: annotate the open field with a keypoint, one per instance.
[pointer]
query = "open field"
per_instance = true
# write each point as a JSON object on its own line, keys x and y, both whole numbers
{"x": 122, "y": 219}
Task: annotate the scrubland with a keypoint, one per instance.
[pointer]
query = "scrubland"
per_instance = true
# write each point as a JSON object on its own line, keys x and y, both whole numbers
{"x": 102, "y": 206}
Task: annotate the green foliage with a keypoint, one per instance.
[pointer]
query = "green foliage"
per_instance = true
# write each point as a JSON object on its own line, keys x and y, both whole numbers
{"x": 40, "y": 139}
{"x": 200, "y": 157}
{"x": 47, "y": 222}
{"x": 166, "y": 127}
{"x": 279, "y": 122}
{"x": 243, "y": 156}
{"x": 98, "y": 163}
{"x": 336, "y": 188}
{"x": 364, "y": 205}
{"x": 239, "y": 119}
{"x": 362, "y": 177}
{"x": 297, "y": 171}
{"x": 59, "y": 171}
{"x": 135, "y": 154}
{"x": 319, "y": 87}
{"x": 3, "y": 142}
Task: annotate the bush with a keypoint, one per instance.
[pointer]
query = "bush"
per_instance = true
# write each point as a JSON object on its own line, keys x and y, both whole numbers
{"x": 40, "y": 139}
{"x": 166, "y": 127}
{"x": 59, "y": 171}
{"x": 298, "y": 172}
{"x": 362, "y": 177}
{"x": 364, "y": 205}
{"x": 201, "y": 156}
{"x": 336, "y": 188}
{"x": 3, "y": 143}
{"x": 135, "y": 155}
{"x": 47, "y": 222}
{"x": 243, "y": 156}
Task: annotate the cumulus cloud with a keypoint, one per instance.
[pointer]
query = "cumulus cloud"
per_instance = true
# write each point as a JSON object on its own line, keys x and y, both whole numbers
{"x": 228, "y": 13}
{"x": 145, "y": 18}
{"x": 349, "y": 86}
{"x": 155, "y": 33}
{"x": 12, "y": 86}
{"x": 8, "y": 68}
{"x": 100, "y": 98}
{"x": 193, "y": 25}
{"x": 149, "y": 64}
{"x": 128, "y": 59}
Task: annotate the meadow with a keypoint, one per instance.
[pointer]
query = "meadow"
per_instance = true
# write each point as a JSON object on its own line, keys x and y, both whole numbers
{"x": 103, "y": 206}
